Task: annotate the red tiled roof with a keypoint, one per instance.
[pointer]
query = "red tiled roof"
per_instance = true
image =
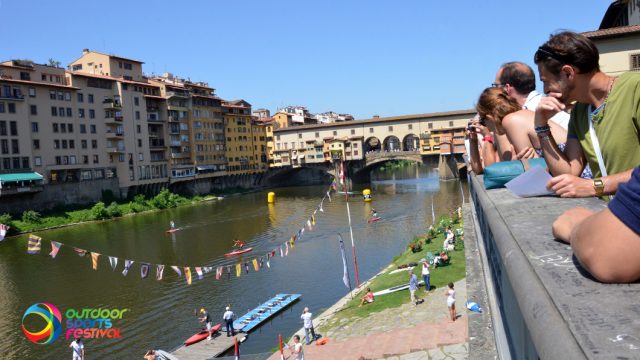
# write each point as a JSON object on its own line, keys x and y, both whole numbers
{"x": 613, "y": 32}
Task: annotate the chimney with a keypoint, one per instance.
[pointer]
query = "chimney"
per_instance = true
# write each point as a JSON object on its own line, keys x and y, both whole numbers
{"x": 85, "y": 51}
{"x": 376, "y": 117}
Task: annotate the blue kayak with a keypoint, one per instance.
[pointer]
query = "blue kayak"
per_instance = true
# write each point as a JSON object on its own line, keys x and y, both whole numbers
{"x": 263, "y": 312}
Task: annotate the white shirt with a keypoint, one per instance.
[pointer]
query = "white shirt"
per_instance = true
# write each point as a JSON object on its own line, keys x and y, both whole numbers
{"x": 228, "y": 315}
{"x": 561, "y": 118}
{"x": 306, "y": 317}
{"x": 77, "y": 349}
{"x": 425, "y": 269}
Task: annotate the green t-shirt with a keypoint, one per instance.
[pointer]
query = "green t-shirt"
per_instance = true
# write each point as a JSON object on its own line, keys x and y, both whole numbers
{"x": 617, "y": 126}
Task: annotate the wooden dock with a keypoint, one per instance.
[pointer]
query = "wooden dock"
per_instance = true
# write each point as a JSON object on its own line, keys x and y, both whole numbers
{"x": 207, "y": 349}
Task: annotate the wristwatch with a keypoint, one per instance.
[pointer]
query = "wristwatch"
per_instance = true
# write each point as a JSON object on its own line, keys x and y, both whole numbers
{"x": 598, "y": 186}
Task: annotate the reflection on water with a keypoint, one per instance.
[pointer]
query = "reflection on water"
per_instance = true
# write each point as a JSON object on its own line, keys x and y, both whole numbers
{"x": 161, "y": 313}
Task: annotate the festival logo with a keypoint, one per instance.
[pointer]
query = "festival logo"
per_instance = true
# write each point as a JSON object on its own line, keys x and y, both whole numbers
{"x": 88, "y": 323}
{"x": 53, "y": 323}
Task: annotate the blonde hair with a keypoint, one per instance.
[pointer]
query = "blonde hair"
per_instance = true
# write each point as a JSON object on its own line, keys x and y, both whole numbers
{"x": 495, "y": 101}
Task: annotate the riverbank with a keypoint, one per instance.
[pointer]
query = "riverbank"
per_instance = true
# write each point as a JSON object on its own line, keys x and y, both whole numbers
{"x": 386, "y": 328}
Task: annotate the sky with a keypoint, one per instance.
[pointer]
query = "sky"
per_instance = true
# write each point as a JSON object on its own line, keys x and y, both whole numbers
{"x": 365, "y": 58}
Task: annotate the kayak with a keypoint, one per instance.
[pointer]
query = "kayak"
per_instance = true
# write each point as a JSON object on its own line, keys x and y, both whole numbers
{"x": 238, "y": 252}
{"x": 203, "y": 334}
{"x": 374, "y": 219}
{"x": 170, "y": 231}
{"x": 394, "y": 289}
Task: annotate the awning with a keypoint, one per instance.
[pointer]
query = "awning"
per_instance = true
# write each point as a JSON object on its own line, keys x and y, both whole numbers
{"x": 205, "y": 167}
{"x": 20, "y": 177}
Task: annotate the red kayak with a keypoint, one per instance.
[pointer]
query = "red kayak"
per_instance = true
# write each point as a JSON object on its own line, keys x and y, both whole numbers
{"x": 374, "y": 219}
{"x": 202, "y": 335}
{"x": 238, "y": 252}
{"x": 170, "y": 231}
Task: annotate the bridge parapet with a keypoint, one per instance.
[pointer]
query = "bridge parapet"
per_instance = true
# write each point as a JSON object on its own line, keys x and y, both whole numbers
{"x": 379, "y": 156}
{"x": 552, "y": 309}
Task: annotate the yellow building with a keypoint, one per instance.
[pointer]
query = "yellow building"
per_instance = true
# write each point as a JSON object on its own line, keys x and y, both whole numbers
{"x": 239, "y": 138}
{"x": 208, "y": 131}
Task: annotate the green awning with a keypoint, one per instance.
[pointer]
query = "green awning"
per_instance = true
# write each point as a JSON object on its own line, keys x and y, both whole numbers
{"x": 20, "y": 177}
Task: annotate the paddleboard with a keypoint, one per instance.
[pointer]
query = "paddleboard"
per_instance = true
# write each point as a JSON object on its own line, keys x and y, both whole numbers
{"x": 394, "y": 289}
{"x": 238, "y": 252}
{"x": 374, "y": 219}
{"x": 203, "y": 334}
{"x": 172, "y": 230}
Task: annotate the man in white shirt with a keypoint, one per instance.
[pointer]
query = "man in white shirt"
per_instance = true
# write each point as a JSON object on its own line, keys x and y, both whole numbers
{"x": 228, "y": 320}
{"x": 519, "y": 82}
{"x": 78, "y": 349}
{"x": 308, "y": 326}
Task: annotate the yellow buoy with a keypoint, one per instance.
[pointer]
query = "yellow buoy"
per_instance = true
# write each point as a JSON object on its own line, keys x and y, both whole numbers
{"x": 366, "y": 193}
{"x": 271, "y": 197}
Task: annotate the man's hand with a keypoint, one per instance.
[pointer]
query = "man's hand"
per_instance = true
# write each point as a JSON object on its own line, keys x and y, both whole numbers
{"x": 549, "y": 106}
{"x": 570, "y": 186}
{"x": 526, "y": 153}
{"x": 565, "y": 223}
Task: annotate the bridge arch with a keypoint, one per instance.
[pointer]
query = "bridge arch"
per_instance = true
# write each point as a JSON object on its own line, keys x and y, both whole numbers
{"x": 411, "y": 142}
{"x": 391, "y": 143}
{"x": 372, "y": 144}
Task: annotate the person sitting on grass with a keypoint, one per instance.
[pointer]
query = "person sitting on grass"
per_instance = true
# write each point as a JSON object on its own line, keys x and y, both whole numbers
{"x": 367, "y": 298}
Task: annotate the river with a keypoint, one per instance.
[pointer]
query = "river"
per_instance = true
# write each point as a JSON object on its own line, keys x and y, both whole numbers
{"x": 161, "y": 313}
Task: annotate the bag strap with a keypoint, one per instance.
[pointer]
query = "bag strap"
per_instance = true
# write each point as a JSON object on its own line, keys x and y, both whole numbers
{"x": 596, "y": 143}
{"x": 525, "y": 164}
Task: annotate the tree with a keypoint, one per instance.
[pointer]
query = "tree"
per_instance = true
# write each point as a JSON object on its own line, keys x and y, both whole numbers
{"x": 54, "y": 63}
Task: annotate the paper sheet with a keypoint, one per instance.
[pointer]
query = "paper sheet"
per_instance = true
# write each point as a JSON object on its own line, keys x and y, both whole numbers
{"x": 531, "y": 183}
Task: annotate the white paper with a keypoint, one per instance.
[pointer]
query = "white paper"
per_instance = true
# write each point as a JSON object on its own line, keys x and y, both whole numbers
{"x": 532, "y": 182}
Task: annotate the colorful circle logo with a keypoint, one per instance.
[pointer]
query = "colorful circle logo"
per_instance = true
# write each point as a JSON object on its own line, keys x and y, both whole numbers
{"x": 53, "y": 319}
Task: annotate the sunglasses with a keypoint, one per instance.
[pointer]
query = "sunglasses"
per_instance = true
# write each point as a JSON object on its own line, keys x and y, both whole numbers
{"x": 545, "y": 52}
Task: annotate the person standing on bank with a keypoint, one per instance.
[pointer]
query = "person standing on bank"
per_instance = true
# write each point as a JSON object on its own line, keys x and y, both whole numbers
{"x": 296, "y": 348}
{"x": 308, "y": 326}
{"x": 451, "y": 301}
{"x": 413, "y": 286}
{"x": 426, "y": 274}
{"x": 78, "y": 349}
{"x": 228, "y": 321}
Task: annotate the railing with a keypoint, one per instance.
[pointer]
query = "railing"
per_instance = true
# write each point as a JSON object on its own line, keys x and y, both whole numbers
{"x": 18, "y": 97}
{"x": 177, "y": 94}
{"x": 154, "y": 143}
{"x": 372, "y": 155}
{"x": 551, "y": 307}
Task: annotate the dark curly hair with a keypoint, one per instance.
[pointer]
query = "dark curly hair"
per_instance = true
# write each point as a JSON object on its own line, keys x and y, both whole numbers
{"x": 568, "y": 48}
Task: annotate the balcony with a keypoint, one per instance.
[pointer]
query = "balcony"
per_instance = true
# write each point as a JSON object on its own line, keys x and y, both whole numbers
{"x": 154, "y": 117}
{"x": 173, "y": 118}
{"x": 157, "y": 159}
{"x": 17, "y": 96}
{"x": 174, "y": 130}
{"x": 111, "y": 104}
{"x": 180, "y": 94}
{"x": 175, "y": 143}
{"x": 117, "y": 119}
{"x": 156, "y": 143}
{"x": 114, "y": 134}
{"x": 180, "y": 155}
{"x": 115, "y": 149}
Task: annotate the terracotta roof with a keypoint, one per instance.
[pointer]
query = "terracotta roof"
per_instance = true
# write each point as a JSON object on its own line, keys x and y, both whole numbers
{"x": 112, "y": 78}
{"x": 39, "y": 83}
{"x": 613, "y": 32}
{"x": 352, "y": 123}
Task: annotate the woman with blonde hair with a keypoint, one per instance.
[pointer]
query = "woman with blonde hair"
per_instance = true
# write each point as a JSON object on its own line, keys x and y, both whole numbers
{"x": 503, "y": 115}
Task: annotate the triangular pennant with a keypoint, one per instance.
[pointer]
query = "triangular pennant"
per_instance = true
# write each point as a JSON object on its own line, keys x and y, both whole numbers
{"x": 261, "y": 262}
{"x": 286, "y": 249}
{"x": 281, "y": 254}
{"x": 114, "y": 262}
{"x": 144, "y": 270}
{"x": 34, "y": 244}
{"x": 255, "y": 265}
{"x": 329, "y": 196}
{"x": 219, "y": 272}
{"x": 80, "y": 252}
{"x": 187, "y": 275}
{"x": 246, "y": 266}
{"x": 127, "y": 266}
{"x": 313, "y": 219}
{"x": 94, "y": 260}
{"x": 55, "y": 247}
{"x": 207, "y": 269}
{"x": 291, "y": 242}
{"x": 159, "y": 271}
{"x": 199, "y": 272}
{"x": 177, "y": 270}
{"x": 238, "y": 269}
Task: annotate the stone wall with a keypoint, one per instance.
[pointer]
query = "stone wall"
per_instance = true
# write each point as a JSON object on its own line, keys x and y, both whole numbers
{"x": 84, "y": 192}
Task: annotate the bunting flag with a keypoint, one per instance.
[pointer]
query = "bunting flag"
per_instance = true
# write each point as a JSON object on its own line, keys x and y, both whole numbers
{"x": 144, "y": 270}
{"x": 34, "y": 244}
{"x": 321, "y": 209}
{"x": 80, "y": 252}
{"x": 291, "y": 242}
{"x": 273, "y": 253}
{"x": 309, "y": 226}
{"x": 268, "y": 258}
{"x": 207, "y": 269}
{"x": 159, "y": 271}
{"x": 238, "y": 269}
{"x": 246, "y": 266}
{"x": 301, "y": 232}
{"x": 177, "y": 270}
{"x": 218, "y": 272}
{"x": 94, "y": 260}
{"x": 3, "y": 231}
{"x": 286, "y": 249}
{"x": 187, "y": 274}
{"x": 114, "y": 262}
{"x": 127, "y": 266}
{"x": 261, "y": 262}
{"x": 55, "y": 247}
{"x": 313, "y": 220}
{"x": 255, "y": 265}
{"x": 199, "y": 272}
{"x": 281, "y": 254}
{"x": 229, "y": 272}
{"x": 329, "y": 195}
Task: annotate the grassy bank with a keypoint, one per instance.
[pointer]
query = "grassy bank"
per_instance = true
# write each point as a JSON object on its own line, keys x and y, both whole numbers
{"x": 32, "y": 220}
{"x": 440, "y": 276}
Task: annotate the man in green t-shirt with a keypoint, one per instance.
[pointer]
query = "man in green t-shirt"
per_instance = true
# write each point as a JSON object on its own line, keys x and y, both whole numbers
{"x": 607, "y": 111}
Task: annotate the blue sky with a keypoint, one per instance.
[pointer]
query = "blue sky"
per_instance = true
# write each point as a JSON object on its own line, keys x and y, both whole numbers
{"x": 360, "y": 57}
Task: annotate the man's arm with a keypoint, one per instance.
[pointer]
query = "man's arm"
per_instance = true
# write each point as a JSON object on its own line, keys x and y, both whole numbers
{"x": 604, "y": 245}
{"x": 572, "y": 186}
